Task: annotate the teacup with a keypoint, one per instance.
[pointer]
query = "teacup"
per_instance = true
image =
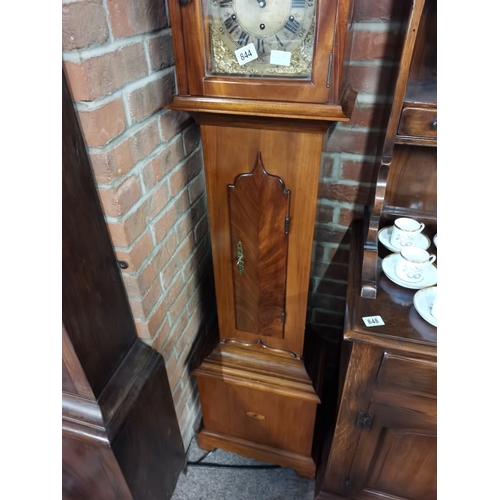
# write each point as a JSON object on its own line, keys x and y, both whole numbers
{"x": 412, "y": 263}
{"x": 405, "y": 232}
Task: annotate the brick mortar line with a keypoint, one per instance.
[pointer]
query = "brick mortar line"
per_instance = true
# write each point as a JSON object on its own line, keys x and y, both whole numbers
{"x": 340, "y": 204}
{"x": 125, "y": 135}
{"x": 149, "y": 225}
{"x": 184, "y": 387}
{"x": 82, "y": 55}
{"x": 99, "y": 102}
{"x": 136, "y": 169}
{"x": 378, "y": 26}
{"x": 121, "y": 91}
{"x": 349, "y": 156}
{"x": 338, "y": 282}
{"x": 145, "y": 80}
{"x": 337, "y": 246}
{"x": 358, "y": 128}
{"x": 146, "y": 55}
{"x": 168, "y": 318}
{"x": 373, "y": 63}
{"x": 128, "y": 115}
{"x": 106, "y": 13}
{"x": 162, "y": 295}
{"x": 155, "y": 250}
{"x": 348, "y": 182}
{"x": 150, "y": 156}
{"x": 160, "y": 214}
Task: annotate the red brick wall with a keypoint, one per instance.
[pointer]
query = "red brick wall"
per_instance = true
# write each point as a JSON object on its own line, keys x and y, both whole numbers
{"x": 147, "y": 163}
{"x": 118, "y": 59}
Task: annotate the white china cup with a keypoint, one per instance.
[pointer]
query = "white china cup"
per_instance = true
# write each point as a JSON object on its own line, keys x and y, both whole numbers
{"x": 405, "y": 232}
{"x": 412, "y": 263}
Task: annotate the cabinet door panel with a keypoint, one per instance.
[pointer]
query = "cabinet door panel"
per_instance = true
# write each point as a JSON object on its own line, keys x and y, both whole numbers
{"x": 397, "y": 456}
{"x": 259, "y": 207}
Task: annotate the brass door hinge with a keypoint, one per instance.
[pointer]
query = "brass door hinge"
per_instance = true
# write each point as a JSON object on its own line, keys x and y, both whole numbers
{"x": 329, "y": 71}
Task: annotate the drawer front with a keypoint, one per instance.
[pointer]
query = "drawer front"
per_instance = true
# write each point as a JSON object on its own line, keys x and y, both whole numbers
{"x": 417, "y": 122}
{"x": 408, "y": 374}
{"x": 259, "y": 416}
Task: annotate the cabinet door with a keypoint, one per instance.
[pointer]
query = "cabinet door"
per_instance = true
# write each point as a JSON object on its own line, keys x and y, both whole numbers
{"x": 397, "y": 456}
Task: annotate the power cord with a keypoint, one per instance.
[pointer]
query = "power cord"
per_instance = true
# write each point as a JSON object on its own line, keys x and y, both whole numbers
{"x": 200, "y": 463}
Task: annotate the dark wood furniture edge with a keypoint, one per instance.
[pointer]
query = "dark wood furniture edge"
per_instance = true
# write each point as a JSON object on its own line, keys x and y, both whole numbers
{"x": 403, "y": 72}
{"x": 103, "y": 419}
{"x": 355, "y": 283}
{"x": 304, "y": 465}
{"x": 369, "y": 285}
{"x": 120, "y": 394}
{"x": 415, "y": 141}
{"x": 82, "y": 419}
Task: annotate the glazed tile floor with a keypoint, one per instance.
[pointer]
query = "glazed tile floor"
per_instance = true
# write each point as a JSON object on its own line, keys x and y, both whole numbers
{"x": 243, "y": 482}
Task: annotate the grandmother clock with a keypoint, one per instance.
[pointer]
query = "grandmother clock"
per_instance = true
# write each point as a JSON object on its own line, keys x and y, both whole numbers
{"x": 264, "y": 79}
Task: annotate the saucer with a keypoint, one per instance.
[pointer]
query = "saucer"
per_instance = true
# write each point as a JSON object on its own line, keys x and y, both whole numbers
{"x": 423, "y": 300}
{"x": 384, "y": 236}
{"x": 389, "y": 268}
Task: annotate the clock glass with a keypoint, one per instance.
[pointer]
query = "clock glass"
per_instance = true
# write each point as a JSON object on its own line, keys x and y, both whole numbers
{"x": 272, "y": 38}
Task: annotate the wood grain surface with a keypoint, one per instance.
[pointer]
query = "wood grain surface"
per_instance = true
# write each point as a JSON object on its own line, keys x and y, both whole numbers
{"x": 295, "y": 158}
{"x": 259, "y": 209}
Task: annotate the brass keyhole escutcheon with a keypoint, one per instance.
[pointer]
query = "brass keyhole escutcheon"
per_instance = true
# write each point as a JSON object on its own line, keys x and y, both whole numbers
{"x": 240, "y": 262}
{"x": 256, "y": 416}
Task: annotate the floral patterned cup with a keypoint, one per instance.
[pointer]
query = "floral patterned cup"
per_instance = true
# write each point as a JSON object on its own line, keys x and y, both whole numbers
{"x": 412, "y": 263}
{"x": 405, "y": 232}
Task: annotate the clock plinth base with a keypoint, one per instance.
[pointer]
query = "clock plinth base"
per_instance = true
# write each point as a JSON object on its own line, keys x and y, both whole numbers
{"x": 303, "y": 465}
{"x": 260, "y": 405}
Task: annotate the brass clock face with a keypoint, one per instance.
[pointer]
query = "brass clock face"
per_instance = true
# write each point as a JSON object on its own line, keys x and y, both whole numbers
{"x": 262, "y": 37}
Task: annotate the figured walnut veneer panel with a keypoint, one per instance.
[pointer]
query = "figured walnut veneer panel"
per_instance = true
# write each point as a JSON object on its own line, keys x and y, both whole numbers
{"x": 259, "y": 206}
{"x": 295, "y": 158}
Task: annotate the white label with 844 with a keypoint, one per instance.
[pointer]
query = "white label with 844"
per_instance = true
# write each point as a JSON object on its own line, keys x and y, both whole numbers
{"x": 246, "y": 54}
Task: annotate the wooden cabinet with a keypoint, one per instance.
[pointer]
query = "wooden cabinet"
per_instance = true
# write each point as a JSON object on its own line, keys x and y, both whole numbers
{"x": 385, "y": 433}
{"x": 120, "y": 435}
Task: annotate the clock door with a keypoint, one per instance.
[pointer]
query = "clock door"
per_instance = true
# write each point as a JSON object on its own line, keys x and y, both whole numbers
{"x": 306, "y": 38}
{"x": 261, "y": 193}
{"x": 259, "y": 216}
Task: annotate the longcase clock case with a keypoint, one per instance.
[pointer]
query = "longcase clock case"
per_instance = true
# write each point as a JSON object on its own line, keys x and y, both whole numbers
{"x": 262, "y": 141}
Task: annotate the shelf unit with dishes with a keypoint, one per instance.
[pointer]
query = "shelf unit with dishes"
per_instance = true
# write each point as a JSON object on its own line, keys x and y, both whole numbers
{"x": 407, "y": 177}
{"x": 382, "y": 441}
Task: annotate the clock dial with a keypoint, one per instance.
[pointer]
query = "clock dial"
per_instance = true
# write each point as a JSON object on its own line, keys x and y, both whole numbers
{"x": 262, "y": 37}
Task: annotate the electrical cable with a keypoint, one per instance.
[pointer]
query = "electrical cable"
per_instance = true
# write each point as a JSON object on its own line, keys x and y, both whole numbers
{"x": 199, "y": 463}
